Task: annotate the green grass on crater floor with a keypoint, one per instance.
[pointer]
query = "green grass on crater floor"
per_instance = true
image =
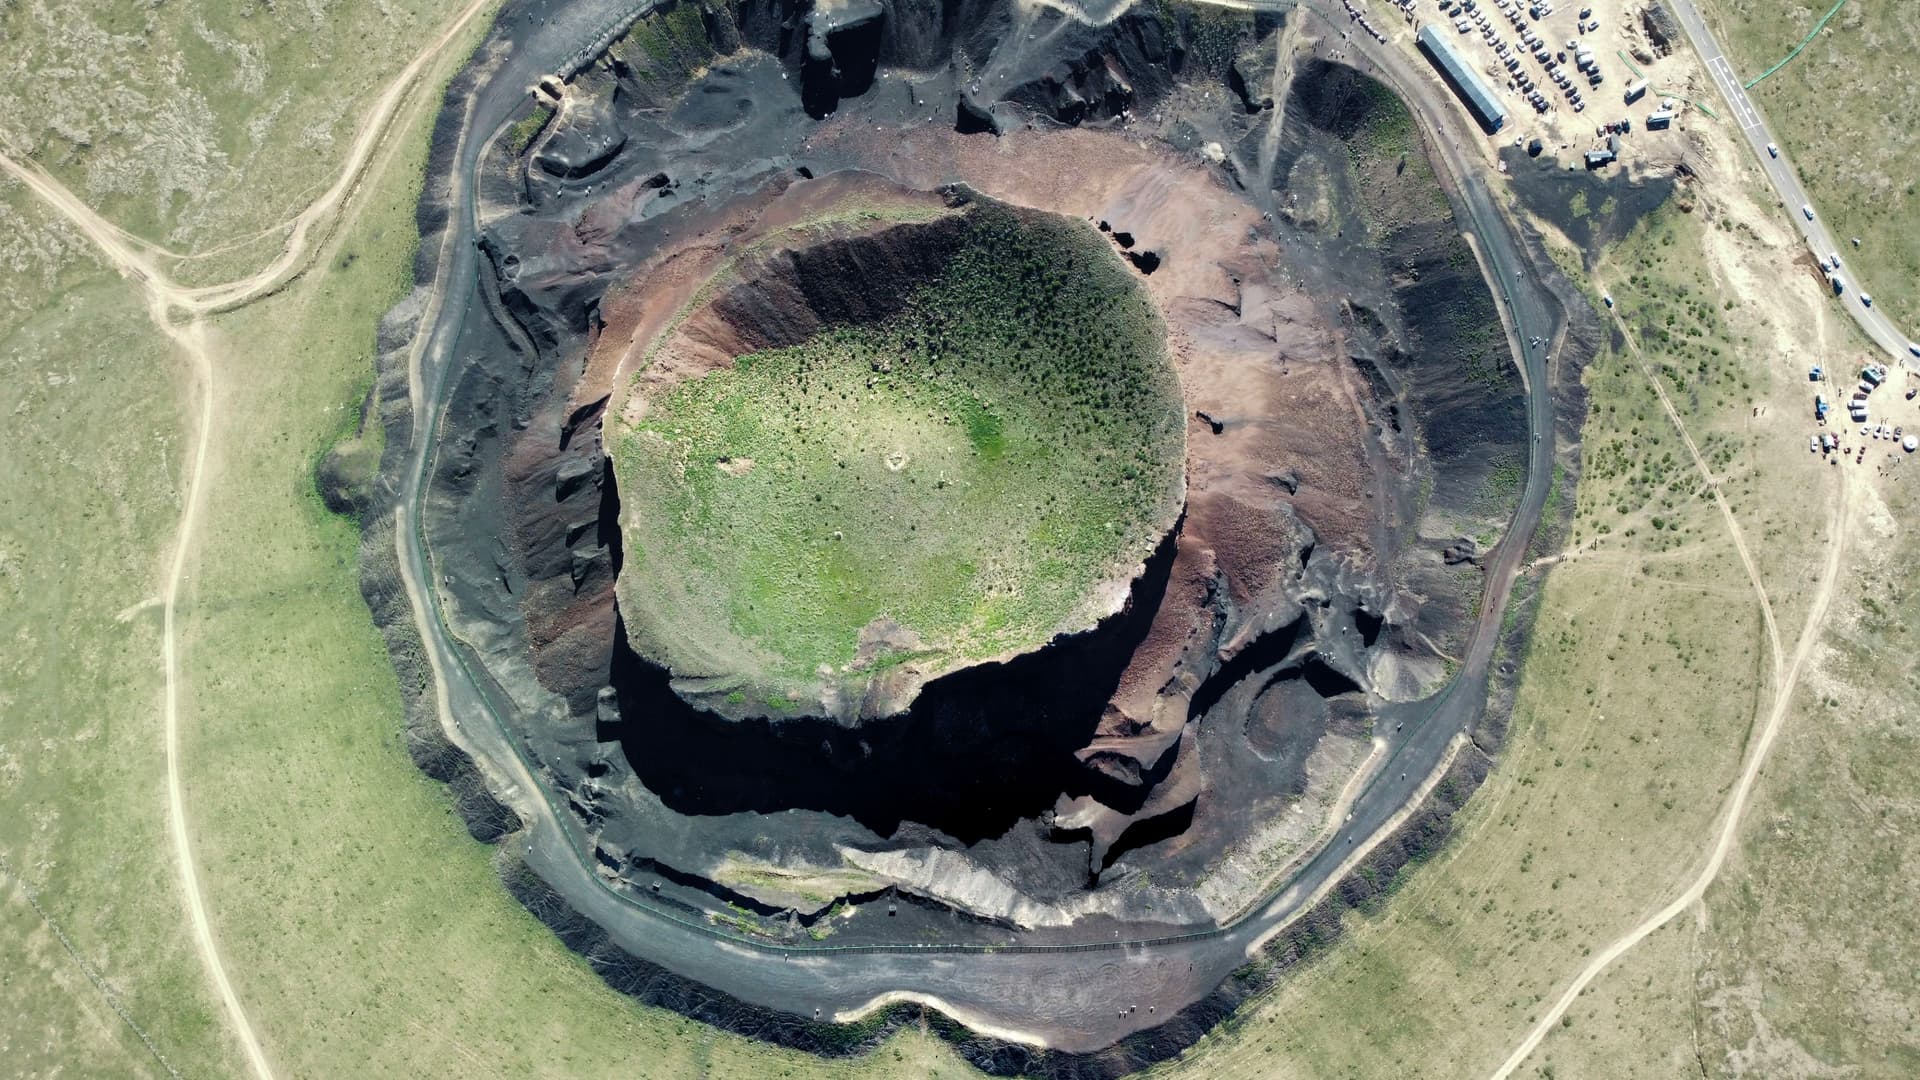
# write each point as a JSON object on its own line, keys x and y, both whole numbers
{"x": 971, "y": 469}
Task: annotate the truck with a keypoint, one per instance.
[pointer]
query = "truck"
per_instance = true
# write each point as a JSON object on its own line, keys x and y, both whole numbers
{"x": 1635, "y": 91}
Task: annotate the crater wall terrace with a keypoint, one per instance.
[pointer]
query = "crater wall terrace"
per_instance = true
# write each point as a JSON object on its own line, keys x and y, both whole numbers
{"x": 1150, "y": 769}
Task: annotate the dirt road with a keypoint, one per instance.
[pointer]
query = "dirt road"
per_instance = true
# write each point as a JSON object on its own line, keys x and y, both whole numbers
{"x": 1784, "y": 683}
{"x": 189, "y": 339}
{"x": 1719, "y": 500}
{"x": 178, "y": 313}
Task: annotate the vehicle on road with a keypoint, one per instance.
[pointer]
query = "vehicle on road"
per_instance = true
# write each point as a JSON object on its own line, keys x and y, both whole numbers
{"x": 1807, "y": 210}
{"x": 1867, "y": 299}
{"x": 1772, "y": 150}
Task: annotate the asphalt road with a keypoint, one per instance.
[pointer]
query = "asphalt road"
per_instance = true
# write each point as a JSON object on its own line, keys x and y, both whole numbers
{"x": 1073, "y": 998}
{"x": 1780, "y": 173}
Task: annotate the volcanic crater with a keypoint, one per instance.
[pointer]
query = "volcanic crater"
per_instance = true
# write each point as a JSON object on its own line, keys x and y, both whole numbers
{"x": 916, "y": 473}
{"x": 905, "y": 435}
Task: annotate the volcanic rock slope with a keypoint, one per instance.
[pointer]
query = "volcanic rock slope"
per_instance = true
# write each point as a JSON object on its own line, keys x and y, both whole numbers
{"x": 1348, "y": 408}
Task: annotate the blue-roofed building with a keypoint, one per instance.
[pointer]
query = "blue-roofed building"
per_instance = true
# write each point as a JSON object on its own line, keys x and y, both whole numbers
{"x": 1486, "y": 108}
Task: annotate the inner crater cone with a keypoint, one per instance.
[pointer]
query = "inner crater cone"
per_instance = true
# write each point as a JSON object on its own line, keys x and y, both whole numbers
{"x": 896, "y": 438}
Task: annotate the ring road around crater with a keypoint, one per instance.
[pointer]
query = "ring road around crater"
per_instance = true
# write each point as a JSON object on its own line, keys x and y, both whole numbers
{"x": 1078, "y": 992}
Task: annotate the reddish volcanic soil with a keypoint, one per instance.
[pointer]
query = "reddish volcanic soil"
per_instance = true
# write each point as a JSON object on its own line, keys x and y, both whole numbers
{"x": 1278, "y": 458}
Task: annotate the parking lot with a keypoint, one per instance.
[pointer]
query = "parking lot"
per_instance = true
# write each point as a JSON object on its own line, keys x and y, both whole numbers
{"x": 1591, "y": 80}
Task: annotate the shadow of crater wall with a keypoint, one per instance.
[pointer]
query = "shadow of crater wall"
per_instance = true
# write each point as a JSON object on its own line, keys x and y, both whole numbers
{"x": 584, "y": 554}
{"x": 978, "y": 751}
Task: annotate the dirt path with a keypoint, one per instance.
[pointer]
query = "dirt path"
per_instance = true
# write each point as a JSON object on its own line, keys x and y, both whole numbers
{"x": 318, "y": 219}
{"x": 1784, "y": 683}
{"x": 1719, "y": 500}
{"x": 178, "y": 313}
{"x": 190, "y": 339}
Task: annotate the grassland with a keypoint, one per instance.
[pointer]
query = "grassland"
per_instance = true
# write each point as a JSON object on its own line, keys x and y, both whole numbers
{"x": 667, "y": 49}
{"x": 1648, "y": 665}
{"x": 366, "y": 933}
{"x": 969, "y": 470}
{"x": 1844, "y": 111}
{"x": 1393, "y": 179}
{"x": 94, "y": 450}
{"x": 1809, "y": 962}
{"x": 203, "y": 125}
{"x": 522, "y": 133}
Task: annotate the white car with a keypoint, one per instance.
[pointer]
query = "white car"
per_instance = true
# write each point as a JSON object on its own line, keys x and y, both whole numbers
{"x": 1913, "y": 347}
{"x": 1867, "y": 299}
{"x": 1807, "y": 210}
{"x": 1772, "y": 150}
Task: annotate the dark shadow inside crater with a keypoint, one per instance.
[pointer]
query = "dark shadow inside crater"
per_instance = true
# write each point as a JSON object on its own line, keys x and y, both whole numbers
{"x": 1369, "y": 626}
{"x": 1264, "y": 652}
{"x": 979, "y": 750}
{"x": 1148, "y": 831}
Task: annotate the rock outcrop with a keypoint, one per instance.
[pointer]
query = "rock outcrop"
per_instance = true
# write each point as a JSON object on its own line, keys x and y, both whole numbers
{"x": 1296, "y": 596}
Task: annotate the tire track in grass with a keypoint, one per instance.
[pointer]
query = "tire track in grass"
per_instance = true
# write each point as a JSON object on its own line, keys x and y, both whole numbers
{"x": 179, "y": 314}
{"x": 1785, "y": 679}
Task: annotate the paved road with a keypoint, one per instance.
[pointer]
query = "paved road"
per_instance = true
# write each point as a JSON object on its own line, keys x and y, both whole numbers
{"x": 1786, "y": 182}
{"x": 1076, "y": 999}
